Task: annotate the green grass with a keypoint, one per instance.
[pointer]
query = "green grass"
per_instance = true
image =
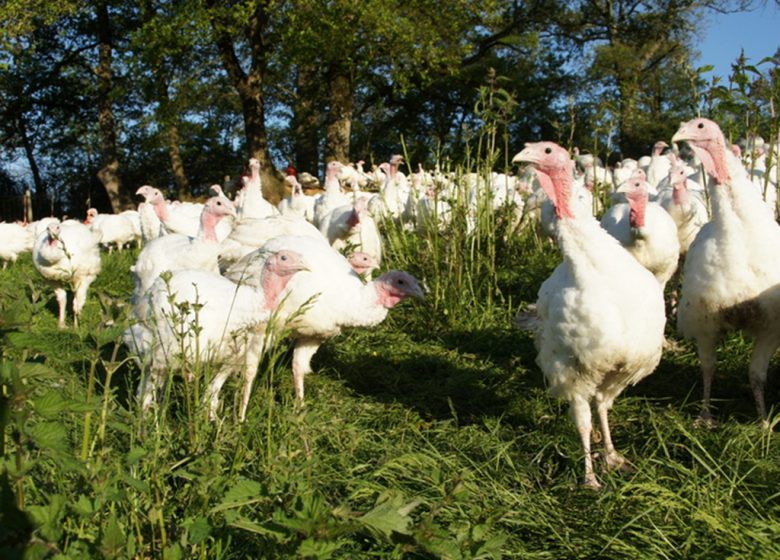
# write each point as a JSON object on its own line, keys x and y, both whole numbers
{"x": 431, "y": 436}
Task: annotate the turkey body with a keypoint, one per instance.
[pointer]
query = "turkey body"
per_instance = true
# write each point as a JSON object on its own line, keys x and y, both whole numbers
{"x": 601, "y": 314}
{"x": 646, "y": 231}
{"x": 196, "y": 315}
{"x": 16, "y": 239}
{"x": 731, "y": 277}
{"x": 67, "y": 255}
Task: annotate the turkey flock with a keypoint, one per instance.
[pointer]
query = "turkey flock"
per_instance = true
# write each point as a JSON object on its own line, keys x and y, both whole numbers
{"x": 226, "y": 280}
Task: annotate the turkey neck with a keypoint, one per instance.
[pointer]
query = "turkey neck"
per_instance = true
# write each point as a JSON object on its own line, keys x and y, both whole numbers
{"x": 272, "y": 285}
{"x": 208, "y": 225}
{"x": 161, "y": 209}
{"x": 365, "y": 310}
{"x": 680, "y": 192}
{"x": 637, "y": 202}
{"x": 588, "y": 249}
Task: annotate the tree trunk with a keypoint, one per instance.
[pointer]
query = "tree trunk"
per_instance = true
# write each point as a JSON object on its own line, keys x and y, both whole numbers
{"x": 167, "y": 114}
{"x": 250, "y": 88}
{"x": 177, "y": 164}
{"x": 340, "y": 114}
{"x": 109, "y": 172}
{"x": 305, "y": 121}
{"x": 40, "y": 189}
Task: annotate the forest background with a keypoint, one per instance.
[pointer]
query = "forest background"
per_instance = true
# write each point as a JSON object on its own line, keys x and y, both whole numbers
{"x": 99, "y": 98}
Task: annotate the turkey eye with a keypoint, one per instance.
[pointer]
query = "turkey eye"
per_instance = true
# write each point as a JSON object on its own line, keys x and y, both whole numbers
{"x": 548, "y": 150}
{"x": 401, "y": 282}
{"x": 283, "y": 257}
{"x": 701, "y": 125}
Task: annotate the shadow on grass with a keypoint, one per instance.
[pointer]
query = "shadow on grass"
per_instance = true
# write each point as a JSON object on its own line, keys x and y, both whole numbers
{"x": 491, "y": 372}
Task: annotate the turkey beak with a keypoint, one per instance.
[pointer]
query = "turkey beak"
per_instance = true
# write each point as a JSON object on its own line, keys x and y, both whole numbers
{"x": 416, "y": 292}
{"x": 527, "y": 155}
{"x": 682, "y": 134}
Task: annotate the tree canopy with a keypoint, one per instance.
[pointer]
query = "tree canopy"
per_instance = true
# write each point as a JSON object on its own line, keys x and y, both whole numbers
{"x": 98, "y": 98}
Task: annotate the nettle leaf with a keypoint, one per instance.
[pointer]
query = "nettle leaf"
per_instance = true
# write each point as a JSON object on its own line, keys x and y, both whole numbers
{"x": 321, "y": 550}
{"x": 49, "y": 404}
{"x": 172, "y": 552}
{"x": 390, "y": 515}
{"x": 50, "y": 436}
{"x": 48, "y": 517}
{"x": 83, "y": 506}
{"x": 33, "y": 370}
{"x": 241, "y": 493}
{"x": 198, "y": 529}
{"x": 113, "y": 541}
{"x": 134, "y": 456}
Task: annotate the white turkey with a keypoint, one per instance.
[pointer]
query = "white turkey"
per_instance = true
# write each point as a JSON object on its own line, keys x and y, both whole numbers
{"x": 16, "y": 239}
{"x": 646, "y": 230}
{"x": 151, "y": 226}
{"x": 659, "y": 165}
{"x": 251, "y": 234}
{"x": 326, "y": 297}
{"x": 67, "y": 255}
{"x": 600, "y": 314}
{"x": 298, "y": 204}
{"x": 230, "y": 321}
{"x": 332, "y": 197}
{"x": 352, "y": 227}
{"x": 251, "y": 204}
{"x": 176, "y": 217}
{"x": 177, "y": 251}
{"x": 683, "y": 203}
{"x": 731, "y": 275}
{"x": 111, "y": 229}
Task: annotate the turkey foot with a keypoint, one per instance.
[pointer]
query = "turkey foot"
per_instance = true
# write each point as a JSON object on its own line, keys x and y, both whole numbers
{"x": 705, "y": 420}
{"x": 590, "y": 482}
{"x": 615, "y": 461}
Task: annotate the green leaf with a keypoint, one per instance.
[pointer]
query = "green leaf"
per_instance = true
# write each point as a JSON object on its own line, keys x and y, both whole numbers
{"x": 48, "y": 517}
{"x": 32, "y": 370}
{"x": 198, "y": 529}
{"x": 134, "y": 456}
{"x": 113, "y": 540}
{"x": 241, "y": 493}
{"x": 50, "y": 436}
{"x": 272, "y": 530}
{"x": 321, "y": 550}
{"x": 83, "y": 506}
{"x": 49, "y": 404}
{"x": 172, "y": 552}
{"x": 390, "y": 515}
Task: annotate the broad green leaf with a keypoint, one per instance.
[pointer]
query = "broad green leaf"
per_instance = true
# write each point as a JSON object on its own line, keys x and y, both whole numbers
{"x": 83, "y": 506}
{"x": 241, "y": 493}
{"x": 173, "y": 552}
{"x": 49, "y": 404}
{"x": 390, "y": 515}
{"x": 134, "y": 456}
{"x": 276, "y": 532}
{"x": 113, "y": 540}
{"x": 198, "y": 529}
{"x": 50, "y": 436}
{"x": 311, "y": 548}
{"x": 48, "y": 517}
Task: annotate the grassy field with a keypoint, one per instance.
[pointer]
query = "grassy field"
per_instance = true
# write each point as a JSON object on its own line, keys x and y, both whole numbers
{"x": 431, "y": 436}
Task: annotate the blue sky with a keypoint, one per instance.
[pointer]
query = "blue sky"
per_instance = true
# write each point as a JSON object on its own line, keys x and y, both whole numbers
{"x": 758, "y": 32}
